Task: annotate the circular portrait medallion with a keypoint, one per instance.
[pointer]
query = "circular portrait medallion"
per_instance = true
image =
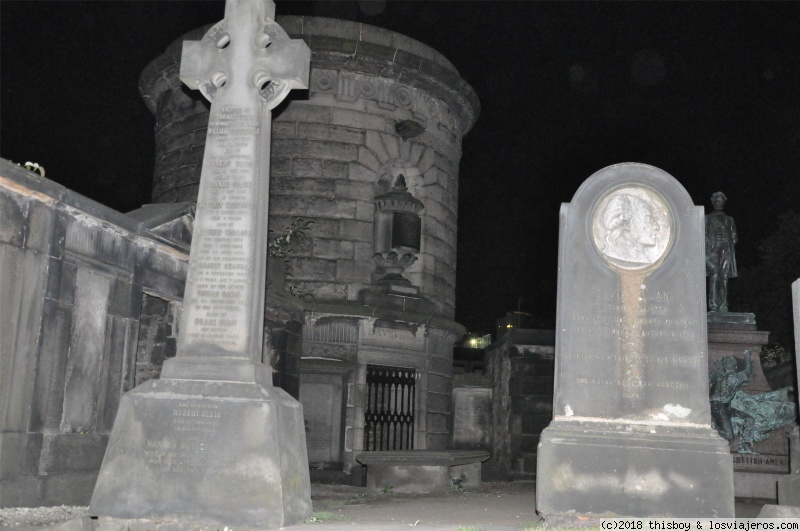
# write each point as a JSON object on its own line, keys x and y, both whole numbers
{"x": 632, "y": 228}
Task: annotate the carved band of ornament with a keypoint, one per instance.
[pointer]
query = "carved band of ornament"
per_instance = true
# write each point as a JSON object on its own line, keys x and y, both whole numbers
{"x": 399, "y": 205}
{"x": 331, "y": 332}
{"x": 388, "y": 94}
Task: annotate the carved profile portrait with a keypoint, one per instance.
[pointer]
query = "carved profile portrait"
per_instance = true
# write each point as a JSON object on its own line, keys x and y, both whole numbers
{"x": 631, "y": 228}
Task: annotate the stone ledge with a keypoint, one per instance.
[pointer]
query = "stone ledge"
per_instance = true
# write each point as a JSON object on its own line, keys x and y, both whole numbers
{"x": 422, "y": 471}
{"x": 732, "y": 319}
{"x": 360, "y": 310}
{"x": 423, "y": 457}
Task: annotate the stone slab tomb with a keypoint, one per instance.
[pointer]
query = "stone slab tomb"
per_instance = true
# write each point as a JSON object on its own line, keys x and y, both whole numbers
{"x": 422, "y": 471}
{"x": 213, "y": 441}
{"x": 631, "y": 431}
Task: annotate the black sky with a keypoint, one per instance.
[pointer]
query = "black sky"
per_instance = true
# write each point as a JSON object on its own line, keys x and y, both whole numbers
{"x": 709, "y": 92}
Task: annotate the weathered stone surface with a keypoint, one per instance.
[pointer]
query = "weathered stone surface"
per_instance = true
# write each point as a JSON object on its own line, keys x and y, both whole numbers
{"x": 789, "y": 485}
{"x": 331, "y": 208}
{"x": 421, "y": 471}
{"x": 349, "y": 271}
{"x": 327, "y": 248}
{"x": 631, "y": 431}
{"x": 357, "y": 119}
{"x": 203, "y": 442}
{"x": 301, "y": 167}
{"x": 780, "y": 511}
{"x": 321, "y": 396}
{"x": 86, "y": 352}
{"x": 472, "y": 416}
{"x": 305, "y": 112}
{"x": 330, "y": 133}
{"x": 355, "y": 231}
{"x": 305, "y": 187}
{"x": 67, "y": 347}
{"x": 519, "y": 412}
{"x": 316, "y": 148}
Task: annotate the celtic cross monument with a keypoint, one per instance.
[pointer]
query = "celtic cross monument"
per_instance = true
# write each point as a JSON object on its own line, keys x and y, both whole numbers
{"x": 212, "y": 441}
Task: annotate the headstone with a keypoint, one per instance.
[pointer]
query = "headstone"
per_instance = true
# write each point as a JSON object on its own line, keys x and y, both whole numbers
{"x": 212, "y": 441}
{"x": 631, "y": 431}
{"x": 472, "y": 412}
{"x": 521, "y": 363}
{"x": 789, "y": 484}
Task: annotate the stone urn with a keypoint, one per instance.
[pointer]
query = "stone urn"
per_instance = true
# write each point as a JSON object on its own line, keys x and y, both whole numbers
{"x": 397, "y": 233}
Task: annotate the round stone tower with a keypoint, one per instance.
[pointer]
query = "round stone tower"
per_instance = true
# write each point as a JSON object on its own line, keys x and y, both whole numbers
{"x": 379, "y": 105}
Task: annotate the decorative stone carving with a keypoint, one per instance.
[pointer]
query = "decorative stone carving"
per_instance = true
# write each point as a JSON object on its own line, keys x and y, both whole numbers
{"x": 366, "y": 89}
{"x": 345, "y": 90}
{"x": 631, "y": 228}
{"x": 324, "y": 80}
{"x": 331, "y": 330}
{"x": 402, "y": 96}
{"x": 387, "y": 94}
{"x": 397, "y": 233}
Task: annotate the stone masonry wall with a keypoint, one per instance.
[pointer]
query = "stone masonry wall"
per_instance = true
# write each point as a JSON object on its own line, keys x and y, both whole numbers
{"x": 521, "y": 366}
{"x": 72, "y": 279}
{"x": 336, "y": 150}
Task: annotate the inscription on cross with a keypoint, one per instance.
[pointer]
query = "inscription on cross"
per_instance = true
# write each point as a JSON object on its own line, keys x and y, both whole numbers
{"x": 245, "y": 65}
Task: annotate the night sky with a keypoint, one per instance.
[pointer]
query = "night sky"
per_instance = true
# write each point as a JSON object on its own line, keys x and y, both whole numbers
{"x": 709, "y": 92}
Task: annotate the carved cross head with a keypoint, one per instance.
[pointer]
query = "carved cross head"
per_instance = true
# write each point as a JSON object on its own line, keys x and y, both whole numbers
{"x": 247, "y": 52}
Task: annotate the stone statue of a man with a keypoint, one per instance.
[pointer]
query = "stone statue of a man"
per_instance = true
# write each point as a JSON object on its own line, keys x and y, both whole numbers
{"x": 720, "y": 256}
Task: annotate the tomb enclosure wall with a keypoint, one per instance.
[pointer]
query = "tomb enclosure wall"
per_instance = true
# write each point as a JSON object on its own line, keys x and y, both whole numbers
{"x": 339, "y": 343}
{"x": 336, "y": 148}
{"x": 472, "y": 415}
{"x": 520, "y": 364}
{"x": 73, "y": 278}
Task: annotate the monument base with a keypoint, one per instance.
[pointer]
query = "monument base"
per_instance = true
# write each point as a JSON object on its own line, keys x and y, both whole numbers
{"x": 220, "y": 453}
{"x": 607, "y": 468}
{"x": 761, "y": 485}
{"x": 746, "y": 321}
{"x": 396, "y": 296}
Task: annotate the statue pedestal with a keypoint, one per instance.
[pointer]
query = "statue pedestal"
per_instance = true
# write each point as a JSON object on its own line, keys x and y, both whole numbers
{"x": 744, "y": 321}
{"x": 730, "y": 334}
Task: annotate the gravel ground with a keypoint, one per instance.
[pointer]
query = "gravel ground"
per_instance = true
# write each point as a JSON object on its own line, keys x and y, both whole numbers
{"x": 493, "y": 507}
{"x": 33, "y": 517}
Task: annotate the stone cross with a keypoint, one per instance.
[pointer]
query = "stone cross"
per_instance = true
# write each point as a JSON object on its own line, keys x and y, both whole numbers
{"x": 212, "y": 441}
{"x": 245, "y": 66}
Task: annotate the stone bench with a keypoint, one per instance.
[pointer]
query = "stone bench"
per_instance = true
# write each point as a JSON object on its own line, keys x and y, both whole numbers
{"x": 422, "y": 471}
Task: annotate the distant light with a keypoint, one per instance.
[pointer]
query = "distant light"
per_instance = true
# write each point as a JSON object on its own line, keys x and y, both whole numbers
{"x": 473, "y": 342}
{"x": 509, "y": 325}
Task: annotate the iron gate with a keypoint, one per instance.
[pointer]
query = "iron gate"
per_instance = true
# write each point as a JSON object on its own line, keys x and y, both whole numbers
{"x": 389, "y": 414}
